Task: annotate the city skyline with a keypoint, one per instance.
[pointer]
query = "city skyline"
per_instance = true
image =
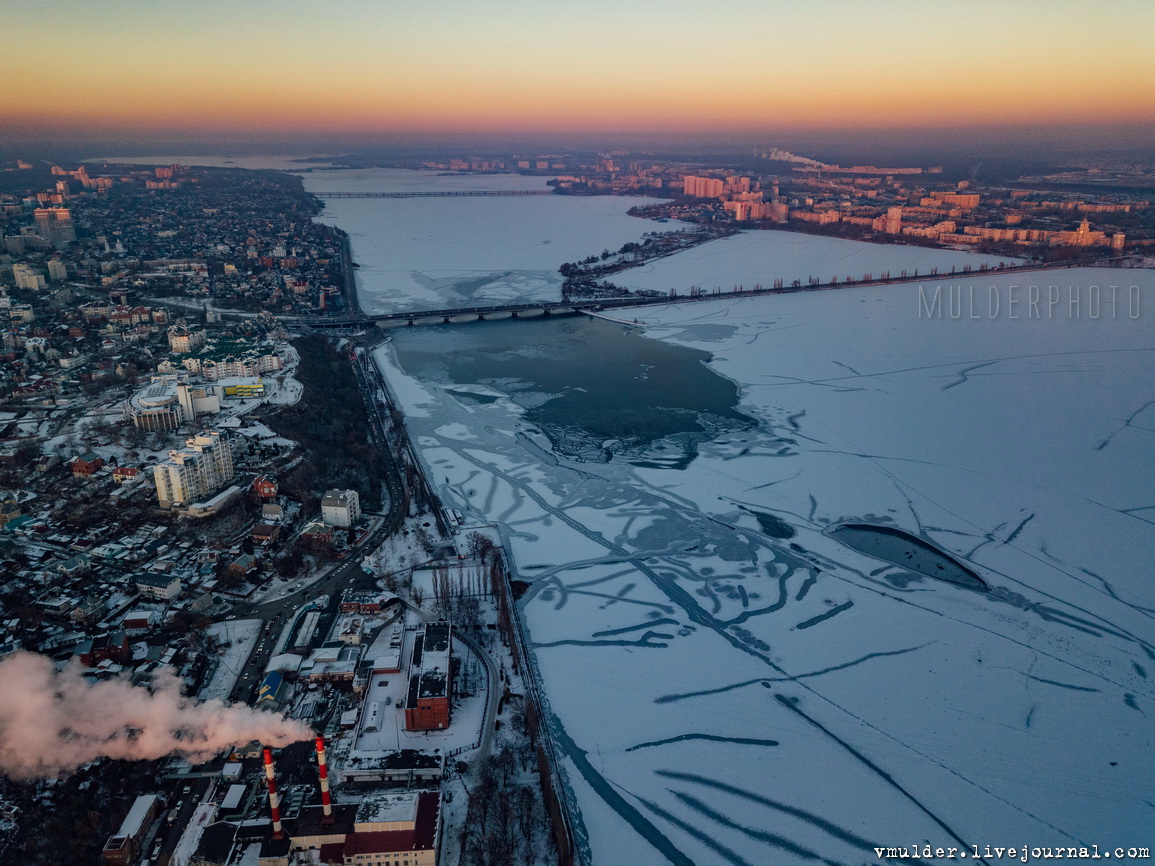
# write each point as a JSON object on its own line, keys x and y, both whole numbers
{"x": 267, "y": 70}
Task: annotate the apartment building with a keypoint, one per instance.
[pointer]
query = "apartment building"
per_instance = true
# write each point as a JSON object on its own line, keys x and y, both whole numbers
{"x": 199, "y": 470}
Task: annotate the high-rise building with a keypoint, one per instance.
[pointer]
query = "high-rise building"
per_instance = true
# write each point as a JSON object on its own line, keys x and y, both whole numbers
{"x": 27, "y": 277}
{"x": 199, "y": 470}
{"x": 55, "y": 224}
{"x": 702, "y": 187}
{"x": 894, "y": 220}
{"x": 57, "y": 270}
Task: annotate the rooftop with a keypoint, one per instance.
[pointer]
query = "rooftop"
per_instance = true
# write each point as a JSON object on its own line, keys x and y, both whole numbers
{"x": 379, "y": 808}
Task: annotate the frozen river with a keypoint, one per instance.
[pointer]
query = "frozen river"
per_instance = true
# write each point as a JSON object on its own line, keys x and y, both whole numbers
{"x": 730, "y": 683}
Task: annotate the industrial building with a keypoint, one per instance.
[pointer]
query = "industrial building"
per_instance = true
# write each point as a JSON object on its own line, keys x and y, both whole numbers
{"x": 430, "y": 685}
{"x": 384, "y": 827}
{"x": 122, "y": 847}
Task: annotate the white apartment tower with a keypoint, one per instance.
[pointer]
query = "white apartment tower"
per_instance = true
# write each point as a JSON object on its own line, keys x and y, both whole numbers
{"x": 196, "y": 472}
{"x": 340, "y": 507}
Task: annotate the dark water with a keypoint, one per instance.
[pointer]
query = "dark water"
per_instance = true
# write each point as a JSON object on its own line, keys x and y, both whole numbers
{"x": 594, "y": 387}
{"x": 908, "y": 551}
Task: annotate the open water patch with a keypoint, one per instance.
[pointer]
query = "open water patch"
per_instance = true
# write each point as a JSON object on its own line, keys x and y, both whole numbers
{"x": 597, "y": 390}
{"x": 906, "y": 551}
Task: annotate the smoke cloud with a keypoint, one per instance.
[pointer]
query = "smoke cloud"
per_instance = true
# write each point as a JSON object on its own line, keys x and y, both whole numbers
{"x": 54, "y": 722}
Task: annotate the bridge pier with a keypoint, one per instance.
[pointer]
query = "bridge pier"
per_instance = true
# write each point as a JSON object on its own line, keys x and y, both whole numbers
{"x": 513, "y": 315}
{"x": 446, "y": 320}
{"x": 546, "y": 312}
{"x": 481, "y": 317}
{"x": 411, "y": 321}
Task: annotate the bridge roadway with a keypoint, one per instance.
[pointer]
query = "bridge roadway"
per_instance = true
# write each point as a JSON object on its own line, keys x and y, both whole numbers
{"x": 457, "y": 193}
{"x": 594, "y": 305}
{"x": 447, "y": 315}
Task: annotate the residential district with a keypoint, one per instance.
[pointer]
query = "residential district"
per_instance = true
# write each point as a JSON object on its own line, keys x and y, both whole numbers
{"x": 179, "y": 495}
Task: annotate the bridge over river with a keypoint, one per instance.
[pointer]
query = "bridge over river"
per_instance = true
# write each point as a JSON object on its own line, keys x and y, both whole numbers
{"x": 445, "y": 194}
{"x": 452, "y": 315}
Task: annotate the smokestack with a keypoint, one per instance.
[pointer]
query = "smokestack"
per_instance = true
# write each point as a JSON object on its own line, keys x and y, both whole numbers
{"x": 274, "y": 797}
{"x": 323, "y": 768}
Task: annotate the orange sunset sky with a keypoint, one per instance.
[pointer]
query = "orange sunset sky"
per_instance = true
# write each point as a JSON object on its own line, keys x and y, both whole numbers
{"x": 256, "y": 66}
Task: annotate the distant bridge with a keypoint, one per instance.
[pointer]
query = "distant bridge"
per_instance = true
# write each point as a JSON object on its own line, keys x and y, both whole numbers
{"x": 457, "y": 193}
{"x": 453, "y": 315}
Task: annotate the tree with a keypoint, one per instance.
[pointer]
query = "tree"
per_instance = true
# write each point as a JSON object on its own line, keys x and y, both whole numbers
{"x": 479, "y": 544}
{"x": 188, "y": 622}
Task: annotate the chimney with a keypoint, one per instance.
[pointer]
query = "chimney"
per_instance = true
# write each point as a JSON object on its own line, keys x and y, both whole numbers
{"x": 323, "y": 769}
{"x": 274, "y": 797}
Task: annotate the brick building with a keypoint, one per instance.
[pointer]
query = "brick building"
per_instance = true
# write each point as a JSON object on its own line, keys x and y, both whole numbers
{"x": 430, "y": 683}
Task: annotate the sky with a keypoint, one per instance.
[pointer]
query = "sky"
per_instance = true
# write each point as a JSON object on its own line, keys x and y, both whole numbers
{"x": 274, "y": 67}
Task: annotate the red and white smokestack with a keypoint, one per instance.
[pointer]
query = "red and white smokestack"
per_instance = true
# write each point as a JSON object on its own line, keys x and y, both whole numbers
{"x": 274, "y": 797}
{"x": 323, "y": 769}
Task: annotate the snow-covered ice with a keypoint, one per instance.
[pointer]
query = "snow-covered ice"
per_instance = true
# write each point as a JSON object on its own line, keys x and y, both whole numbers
{"x": 429, "y": 253}
{"x": 722, "y": 695}
{"x": 754, "y": 257}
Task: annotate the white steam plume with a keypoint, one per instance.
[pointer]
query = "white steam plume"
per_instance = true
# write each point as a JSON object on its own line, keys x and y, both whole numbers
{"x": 54, "y": 722}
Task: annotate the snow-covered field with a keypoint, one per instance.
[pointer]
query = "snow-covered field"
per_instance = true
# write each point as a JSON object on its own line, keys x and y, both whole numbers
{"x": 724, "y": 695}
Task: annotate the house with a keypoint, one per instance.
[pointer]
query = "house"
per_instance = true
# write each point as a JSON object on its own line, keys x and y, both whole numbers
{"x": 105, "y": 647}
{"x": 90, "y": 609}
{"x": 47, "y": 462}
{"x": 73, "y": 566}
{"x": 272, "y": 513}
{"x": 272, "y": 689}
{"x": 125, "y": 474}
{"x": 264, "y": 534}
{"x": 264, "y": 487}
{"x": 161, "y": 587}
{"x": 341, "y": 507}
{"x": 243, "y": 565}
{"x": 317, "y": 536}
{"x": 9, "y": 511}
{"x": 140, "y": 621}
{"x": 87, "y": 464}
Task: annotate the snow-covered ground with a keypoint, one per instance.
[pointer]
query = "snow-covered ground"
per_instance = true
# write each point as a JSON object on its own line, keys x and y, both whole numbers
{"x": 284, "y": 389}
{"x": 186, "y": 848}
{"x": 241, "y": 637}
{"x": 724, "y": 695}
